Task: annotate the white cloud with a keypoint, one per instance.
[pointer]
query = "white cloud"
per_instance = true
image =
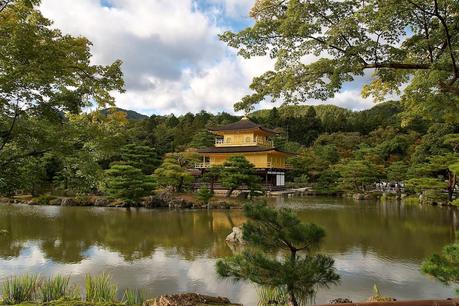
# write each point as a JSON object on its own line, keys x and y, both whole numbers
{"x": 172, "y": 58}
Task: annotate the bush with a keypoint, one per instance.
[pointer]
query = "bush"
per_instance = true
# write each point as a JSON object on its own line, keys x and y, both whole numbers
{"x": 204, "y": 195}
{"x": 44, "y": 199}
{"x": 20, "y": 289}
{"x": 127, "y": 183}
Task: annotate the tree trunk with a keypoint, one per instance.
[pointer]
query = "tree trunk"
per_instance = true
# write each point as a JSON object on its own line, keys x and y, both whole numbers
{"x": 398, "y": 191}
{"x": 292, "y": 299}
{"x": 180, "y": 185}
{"x": 291, "y": 295}
{"x": 452, "y": 181}
{"x": 212, "y": 187}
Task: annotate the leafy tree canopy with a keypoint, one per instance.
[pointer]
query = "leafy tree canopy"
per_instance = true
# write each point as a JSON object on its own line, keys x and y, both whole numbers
{"x": 409, "y": 43}
{"x": 43, "y": 72}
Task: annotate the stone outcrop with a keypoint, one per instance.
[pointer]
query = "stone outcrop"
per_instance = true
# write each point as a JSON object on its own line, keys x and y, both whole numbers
{"x": 188, "y": 299}
{"x": 340, "y": 301}
{"x": 69, "y": 202}
{"x": 236, "y": 236}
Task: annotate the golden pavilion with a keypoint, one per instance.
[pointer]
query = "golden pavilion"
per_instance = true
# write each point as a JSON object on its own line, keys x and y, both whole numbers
{"x": 253, "y": 141}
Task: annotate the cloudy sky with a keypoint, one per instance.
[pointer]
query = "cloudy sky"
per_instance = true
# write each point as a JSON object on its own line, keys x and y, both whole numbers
{"x": 172, "y": 59}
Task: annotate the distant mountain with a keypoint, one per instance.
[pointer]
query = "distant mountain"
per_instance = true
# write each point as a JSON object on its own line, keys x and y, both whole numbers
{"x": 131, "y": 115}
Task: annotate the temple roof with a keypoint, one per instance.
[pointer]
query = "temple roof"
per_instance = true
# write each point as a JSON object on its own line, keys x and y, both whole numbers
{"x": 244, "y": 124}
{"x": 240, "y": 149}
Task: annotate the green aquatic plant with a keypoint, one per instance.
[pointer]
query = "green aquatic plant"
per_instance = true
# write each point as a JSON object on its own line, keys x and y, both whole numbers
{"x": 272, "y": 296}
{"x": 58, "y": 288}
{"x": 20, "y": 289}
{"x": 133, "y": 297}
{"x": 100, "y": 288}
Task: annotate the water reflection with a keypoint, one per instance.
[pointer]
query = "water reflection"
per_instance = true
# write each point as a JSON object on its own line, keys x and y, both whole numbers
{"x": 172, "y": 251}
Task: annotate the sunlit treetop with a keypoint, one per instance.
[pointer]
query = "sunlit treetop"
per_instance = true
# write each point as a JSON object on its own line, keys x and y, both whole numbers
{"x": 319, "y": 45}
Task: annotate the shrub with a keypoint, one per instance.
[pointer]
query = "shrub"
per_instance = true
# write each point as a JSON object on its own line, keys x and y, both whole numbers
{"x": 57, "y": 288}
{"x": 44, "y": 199}
{"x": 127, "y": 183}
{"x": 204, "y": 195}
{"x": 100, "y": 288}
{"x": 20, "y": 289}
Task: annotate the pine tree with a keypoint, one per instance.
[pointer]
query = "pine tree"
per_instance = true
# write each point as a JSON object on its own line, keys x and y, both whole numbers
{"x": 173, "y": 172}
{"x": 444, "y": 266}
{"x": 297, "y": 268}
{"x": 127, "y": 183}
{"x": 142, "y": 157}
{"x": 238, "y": 171}
{"x": 204, "y": 195}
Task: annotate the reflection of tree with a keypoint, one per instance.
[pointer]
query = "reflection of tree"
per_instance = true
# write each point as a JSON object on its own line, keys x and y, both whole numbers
{"x": 133, "y": 233}
{"x": 387, "y": 229}
{"x": 9, "y": 247}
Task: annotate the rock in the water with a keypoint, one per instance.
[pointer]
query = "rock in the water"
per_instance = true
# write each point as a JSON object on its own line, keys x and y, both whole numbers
{"x": 55, "y": 202}
{"x": 187, "y": 299}
{"x": 236, "y": 236}
{"x": 101, "y": 202}
{"x": 69, "y": 202}
{"x": 340, "y": 301}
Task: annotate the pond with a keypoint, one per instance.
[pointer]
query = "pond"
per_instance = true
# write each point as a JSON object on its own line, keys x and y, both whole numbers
{"x": 164, "y": 251}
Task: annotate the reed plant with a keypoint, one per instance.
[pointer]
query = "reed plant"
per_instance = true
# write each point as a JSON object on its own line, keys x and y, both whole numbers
{"x": 20, "y": 289}
{"x": 58, "y": 288}
{"x": 100, "y": 289}
{"x": 272, "y": 296}
{"x": 133, "y": 297}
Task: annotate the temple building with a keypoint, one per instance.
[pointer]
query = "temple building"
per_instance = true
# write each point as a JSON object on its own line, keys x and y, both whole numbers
{"x": 253, "y": 142}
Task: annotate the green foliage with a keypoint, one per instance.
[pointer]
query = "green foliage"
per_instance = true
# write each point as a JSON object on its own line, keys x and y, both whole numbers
{"x": 272, "y": 295}
{"x": 127, "y": 183}
{"x": 133, "y": 297}
{"x": 173, "y": 171}
{"x": 202, "y": 139}
{"x": 357, "y": 175}
{"x": 141, "y": 157}
{"x": 298, "y": 269}
{"x": 100, "y": 288}
{"x": 58, "y": 288}
{"x": 397, "y": 171}
{"x": 348, "y": 38}
{"x": 51, "y": 75}
{"x": 20, "y": 289}
{"x": 445, "y": 266}
{"x": 237, "y": 172}
{"x": 205, "y": 194}
{"x": 44, "y": 199}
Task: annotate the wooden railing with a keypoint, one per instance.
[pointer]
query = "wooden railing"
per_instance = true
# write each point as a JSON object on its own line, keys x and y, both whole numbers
{"x": 219, "y": 142}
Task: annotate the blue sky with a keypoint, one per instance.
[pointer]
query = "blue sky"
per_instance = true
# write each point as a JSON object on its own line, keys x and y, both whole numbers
{"x": 172, "y": 59}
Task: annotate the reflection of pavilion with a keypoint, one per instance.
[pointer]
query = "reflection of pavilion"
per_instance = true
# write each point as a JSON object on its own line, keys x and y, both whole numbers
{"x": 253, "y": 141}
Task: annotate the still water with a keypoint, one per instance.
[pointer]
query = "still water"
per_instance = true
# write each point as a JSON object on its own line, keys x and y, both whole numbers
{"x": 164, "y": 251}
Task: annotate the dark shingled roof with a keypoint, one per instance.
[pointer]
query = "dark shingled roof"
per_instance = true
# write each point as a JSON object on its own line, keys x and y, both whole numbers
{"x": 243, "y": 124}
{"x": 240, "y": 149}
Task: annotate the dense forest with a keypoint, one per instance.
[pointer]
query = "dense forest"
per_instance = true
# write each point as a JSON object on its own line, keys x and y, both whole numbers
{"x": 338, "y": 149}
